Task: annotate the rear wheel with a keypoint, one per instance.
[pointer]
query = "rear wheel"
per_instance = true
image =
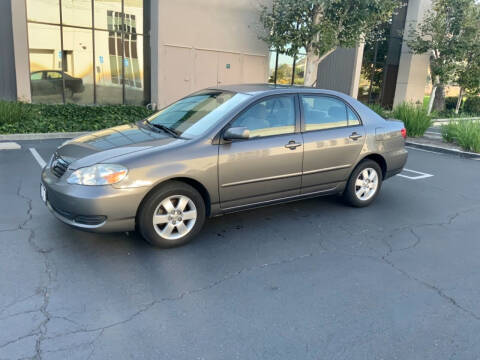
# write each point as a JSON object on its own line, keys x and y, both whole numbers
{"x": 364, "y": 184}
{"x": 172, "y": 215}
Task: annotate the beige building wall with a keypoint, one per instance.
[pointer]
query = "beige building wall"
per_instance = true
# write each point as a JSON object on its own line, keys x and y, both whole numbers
{"x": 413, "y": 69}
{"x": 196, "y": 44}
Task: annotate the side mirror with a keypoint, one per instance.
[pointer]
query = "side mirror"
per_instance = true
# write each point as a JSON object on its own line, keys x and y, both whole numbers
{"x": 236, "y": 133}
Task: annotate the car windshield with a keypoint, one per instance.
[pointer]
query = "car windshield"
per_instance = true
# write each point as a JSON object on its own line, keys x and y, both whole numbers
{"x": 193, "y": 115}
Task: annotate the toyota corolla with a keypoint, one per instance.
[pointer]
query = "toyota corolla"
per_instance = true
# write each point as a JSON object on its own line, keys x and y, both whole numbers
{"x": 222, "y": 150}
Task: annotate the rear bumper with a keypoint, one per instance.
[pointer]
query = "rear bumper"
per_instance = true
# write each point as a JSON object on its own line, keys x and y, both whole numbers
{"x": 396, "y": 161}
{"x": 92, "y": 208}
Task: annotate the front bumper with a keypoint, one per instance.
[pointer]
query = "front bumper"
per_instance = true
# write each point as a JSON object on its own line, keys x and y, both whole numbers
{"x": 92, "y": 208}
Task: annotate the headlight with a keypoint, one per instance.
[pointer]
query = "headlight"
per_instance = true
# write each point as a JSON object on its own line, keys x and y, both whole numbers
{"x": 99, "y": 174}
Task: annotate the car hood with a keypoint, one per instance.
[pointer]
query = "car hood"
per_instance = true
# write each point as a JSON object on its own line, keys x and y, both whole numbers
{"x": 104, "y": 145}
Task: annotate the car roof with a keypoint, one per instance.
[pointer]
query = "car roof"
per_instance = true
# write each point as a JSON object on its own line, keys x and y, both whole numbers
{"x": 265, "y": 89}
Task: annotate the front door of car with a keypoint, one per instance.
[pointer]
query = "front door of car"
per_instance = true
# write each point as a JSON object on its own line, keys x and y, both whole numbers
{"x": 333, "y": 138}
{"x": 54, "y": 83}
{"x": 268, "y": 165}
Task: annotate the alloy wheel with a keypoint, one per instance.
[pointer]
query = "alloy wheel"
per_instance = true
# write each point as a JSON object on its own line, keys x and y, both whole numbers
{"x": 174, "y": 217}
{"x": 366, "y": 184}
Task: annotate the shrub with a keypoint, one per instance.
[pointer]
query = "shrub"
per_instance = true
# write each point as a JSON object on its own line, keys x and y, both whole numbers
{"x": 465, "y": 133}
{"x": 451, "y": 102}
{"x": 379, "y": 110}
{"x": 13, "y": 111}
{"x": 449, "y": 131}
{"x": 472, "y": 105}
{"x": 36, "y": 118}
{"x": 414, "y": 117}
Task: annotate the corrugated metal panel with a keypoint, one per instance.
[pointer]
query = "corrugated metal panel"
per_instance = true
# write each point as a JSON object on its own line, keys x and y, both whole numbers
{"x": 336, "y": 71}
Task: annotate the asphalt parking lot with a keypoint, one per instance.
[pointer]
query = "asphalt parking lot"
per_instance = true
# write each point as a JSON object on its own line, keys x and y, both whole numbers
{"x": 307, "y": 280}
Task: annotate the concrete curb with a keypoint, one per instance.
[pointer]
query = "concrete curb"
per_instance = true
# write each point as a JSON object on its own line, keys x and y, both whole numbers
{"x": 444, "y": 150}
{"x": 447, "y": 120}
{"x": 45, "y": 136}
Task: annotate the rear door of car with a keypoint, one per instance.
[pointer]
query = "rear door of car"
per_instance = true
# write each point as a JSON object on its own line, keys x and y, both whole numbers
{"x": 268, "y": 165}
{"x": 333, "y": 137}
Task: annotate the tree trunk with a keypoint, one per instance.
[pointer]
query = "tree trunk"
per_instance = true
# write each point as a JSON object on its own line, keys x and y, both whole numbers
{"x": 439, "y": 102}
{"x": 459, "y": 100}
{"x": 432, "y": 97}
{"x": 311, "y": 69}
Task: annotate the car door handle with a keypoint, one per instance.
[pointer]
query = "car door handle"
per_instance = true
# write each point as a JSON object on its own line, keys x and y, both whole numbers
{"x": 292, "y": 145}
{"x": 355, "y": 136}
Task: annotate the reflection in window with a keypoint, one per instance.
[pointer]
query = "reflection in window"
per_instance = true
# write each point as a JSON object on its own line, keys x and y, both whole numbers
{"x": 77, "y": 65}
{"x": 133, "y": 62}
{"x": 43, "y": 11}
{"x": 322, "y": 112}
{"x": 109, "y": 72}
{"x": 104, "y": 12}
{"x": 109, "y": 67}
{"x": 273, "y": 116}
{"x": 77, "y": 12}
{"x": 133, "y": 16}
{"x": 45, "y": 58}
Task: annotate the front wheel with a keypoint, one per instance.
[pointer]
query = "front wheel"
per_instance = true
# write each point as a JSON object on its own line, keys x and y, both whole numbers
{"x": 364, "y": 184}
{"x": 172, "y": 215}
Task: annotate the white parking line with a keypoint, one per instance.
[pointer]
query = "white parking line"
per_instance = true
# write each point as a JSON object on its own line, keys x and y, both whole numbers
{"x": 429, "y": 151}
{"x": 421, "y": 175}
{"x": 9, "y": 146}
{"x": 37, "y": 157}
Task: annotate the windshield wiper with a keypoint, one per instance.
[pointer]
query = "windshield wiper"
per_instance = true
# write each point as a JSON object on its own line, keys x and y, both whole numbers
{"x": 166, "y": 129}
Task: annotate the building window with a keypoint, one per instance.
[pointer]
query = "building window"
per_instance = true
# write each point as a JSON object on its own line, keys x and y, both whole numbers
{"x": 92, "y": 49}
{"x": 287, "y": 70}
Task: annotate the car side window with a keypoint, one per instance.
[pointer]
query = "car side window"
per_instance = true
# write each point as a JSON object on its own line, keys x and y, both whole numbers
{"x": 273, "y": 116}
{"x": 353, "y": 119}
{"x": 36, "y": 76}
{"x": 54, "y": 75}
{"x": 323, "y": 112}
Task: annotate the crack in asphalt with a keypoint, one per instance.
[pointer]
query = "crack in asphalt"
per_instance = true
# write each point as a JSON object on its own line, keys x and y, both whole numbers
{"x": 384, "y": 258}
{"x": 432, "y": 287}
{"x": 41, "y": 330}
{"x": 436, "y": 289}
{"x": 180, "y": 296}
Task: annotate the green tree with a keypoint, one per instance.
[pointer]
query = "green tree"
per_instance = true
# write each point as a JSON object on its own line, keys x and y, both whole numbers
{"x": 320, "y": 26}
{"x": 445, "y": 33}
{"x": 468, "y": 72}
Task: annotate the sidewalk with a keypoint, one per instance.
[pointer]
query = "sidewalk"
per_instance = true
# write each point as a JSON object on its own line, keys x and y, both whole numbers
{"x": 433, "y": 141}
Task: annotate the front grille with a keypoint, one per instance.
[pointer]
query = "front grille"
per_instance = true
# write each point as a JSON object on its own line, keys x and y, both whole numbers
{"x": 59, "y": 166}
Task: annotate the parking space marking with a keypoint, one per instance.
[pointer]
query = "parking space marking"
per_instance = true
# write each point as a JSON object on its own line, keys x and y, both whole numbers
{"x": 37, "y": 157}
{"x": 421, "y": 175}
{"x": 9, "y": 146}
{"x": 429, "y": 151}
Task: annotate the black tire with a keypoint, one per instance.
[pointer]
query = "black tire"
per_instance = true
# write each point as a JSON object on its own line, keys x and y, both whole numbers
{"x": 150, "y": 232}
{"x": 350, "y": 195}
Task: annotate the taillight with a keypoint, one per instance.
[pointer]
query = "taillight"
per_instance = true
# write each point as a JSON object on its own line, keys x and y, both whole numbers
{"x": 404, "y": 133}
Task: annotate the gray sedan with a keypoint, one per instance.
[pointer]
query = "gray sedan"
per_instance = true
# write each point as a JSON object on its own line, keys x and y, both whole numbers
{"x": 222, "y": 150}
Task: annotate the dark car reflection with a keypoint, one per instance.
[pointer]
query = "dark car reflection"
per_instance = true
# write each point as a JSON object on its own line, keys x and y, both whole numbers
{"x": 50, "y": 82}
